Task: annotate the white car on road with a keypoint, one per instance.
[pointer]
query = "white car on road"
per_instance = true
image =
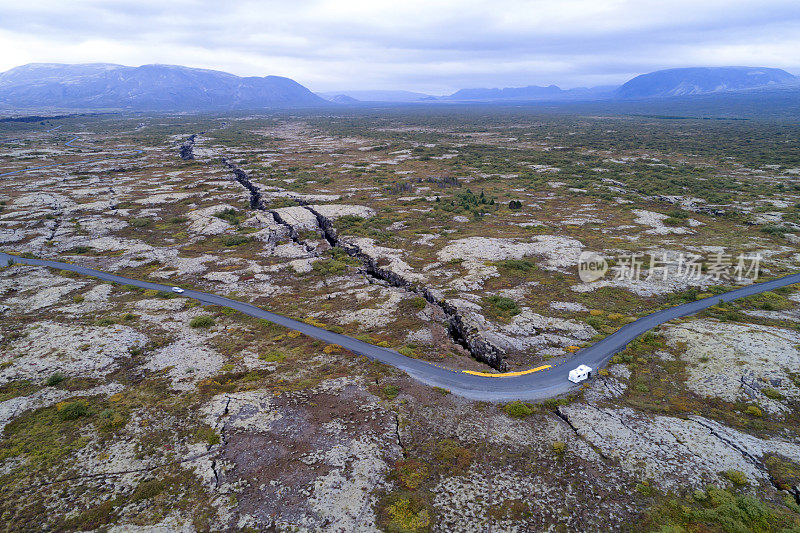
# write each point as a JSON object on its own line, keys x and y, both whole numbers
{"x": 177, "y": 289}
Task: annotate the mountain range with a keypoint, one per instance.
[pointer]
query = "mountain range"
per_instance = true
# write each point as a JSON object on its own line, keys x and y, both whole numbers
{"x": 659, "y": 84}
{"x": 148, "y": 87}
{"x": 178, "y": 88}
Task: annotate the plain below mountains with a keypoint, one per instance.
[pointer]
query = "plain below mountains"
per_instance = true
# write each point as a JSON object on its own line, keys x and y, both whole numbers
{"x": 148, "y": 87}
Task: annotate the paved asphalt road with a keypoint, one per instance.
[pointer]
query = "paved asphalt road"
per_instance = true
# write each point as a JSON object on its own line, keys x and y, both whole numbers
{"x": 534, "y": 386}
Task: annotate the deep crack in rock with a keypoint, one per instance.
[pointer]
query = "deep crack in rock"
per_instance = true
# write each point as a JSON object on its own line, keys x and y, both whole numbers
{"x": 747, "y": 455}
{"x": 397, "y": 434}
{"x": 462, "y": 334}
{"x": 187, "y": 148}
{"x": 244, "y": 180}
{"x": 560, "y": 414}
{"x": 459, "y": 331}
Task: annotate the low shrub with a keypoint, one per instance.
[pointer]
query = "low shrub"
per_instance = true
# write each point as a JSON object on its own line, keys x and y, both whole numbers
{"x": 72, "y": 410}
{"x": 407, "y": 351}
{"x": 208, "y": 435}
{"x": 514, "y": 510}
{"x": 329, "y": 267}
{"x": 108, "y": 420}
{"x": 645, "y": 489}
{"x": 518, "y": 266}
{"x": 453, "y": 457}
{"x": 769, "y": 301}
{"x": 273, "y": 357}
{"x": 784, "y": 472}
{"x": 737, "y": 477}
{"x": 674, "y": 221}
{"x": 139, "y": 222}
{"x": 148, "y": 489}
{"x": 418, "y": 303}
{"x": 752, "y": 410}
{"x": 502, "y": 307}
{"x": 235, "y": 240}
{"x": 771, "y": 393}
{"x": 518, "y": 409}
{"x": 774, "y": 230}
{"x": 405, "y": 512}
{"x": 55, "y": 379}
{"x": 203, "y": 321}
{"x": 411, "y": 473}
{"x": 229, "y": 215}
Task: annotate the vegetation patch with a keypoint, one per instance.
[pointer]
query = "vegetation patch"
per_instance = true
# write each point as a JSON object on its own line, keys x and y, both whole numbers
{"x": 390, "y": 392}
{"x": 203, "y": 321}
{"x": 14, "y": 389}
{"x": 411, "y": 473}
{"x": 514, "y": 510}
{"x": 234, "y": 240}
{"x": 500, "y": 307}
{"x": 405, "y": 512}
{"x": 139, "y": 222}
{"x": 47, "y": 435}
{"x": 720, "y": 510}
{"x": 273, "y": 356}
{"x": 230, "y": 215}
{"x": 516, "y": 267}
{"x": 518, "y": 409}
{"x": 452, "y": 457}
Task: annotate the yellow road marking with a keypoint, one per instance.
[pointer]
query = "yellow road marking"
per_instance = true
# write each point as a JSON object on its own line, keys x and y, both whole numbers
{"x": 507, "y": 374}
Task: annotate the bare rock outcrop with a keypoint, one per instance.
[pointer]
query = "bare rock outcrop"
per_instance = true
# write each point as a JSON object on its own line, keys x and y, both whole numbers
{"x": 674, "y": 453}
{"x": 740, "y": 362}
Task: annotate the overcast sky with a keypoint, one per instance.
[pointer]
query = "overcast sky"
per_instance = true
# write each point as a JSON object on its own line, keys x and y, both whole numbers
{"x": 434, "y": 46}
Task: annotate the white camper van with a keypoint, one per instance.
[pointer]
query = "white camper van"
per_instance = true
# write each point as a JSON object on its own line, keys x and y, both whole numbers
{"x": 579, "y": 374}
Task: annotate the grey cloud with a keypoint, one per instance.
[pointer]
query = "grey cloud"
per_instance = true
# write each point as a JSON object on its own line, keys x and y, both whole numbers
{"x": 413, "y": 45}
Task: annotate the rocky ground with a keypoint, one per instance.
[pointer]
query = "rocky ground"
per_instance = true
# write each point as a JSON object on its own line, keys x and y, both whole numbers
{"x": 123, "y": 409}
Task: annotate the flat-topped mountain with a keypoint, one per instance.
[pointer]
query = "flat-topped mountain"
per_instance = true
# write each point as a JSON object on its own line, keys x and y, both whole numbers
{"x": 148, "y": 87}
{"x": 703, "y": 80}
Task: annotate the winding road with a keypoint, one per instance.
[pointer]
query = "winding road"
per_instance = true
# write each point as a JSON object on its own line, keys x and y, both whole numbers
{"x": 544, "y": 382}
{"x": 536, "y": 384}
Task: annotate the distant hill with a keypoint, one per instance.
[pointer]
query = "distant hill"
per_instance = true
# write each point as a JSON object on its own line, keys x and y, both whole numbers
{"x": 148, "y": 87}
{"x": 531, "y": 93}
{"x": 703, "y": 80}
{"x": 343, "y": 99}
{"x": 379, "y": 96}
